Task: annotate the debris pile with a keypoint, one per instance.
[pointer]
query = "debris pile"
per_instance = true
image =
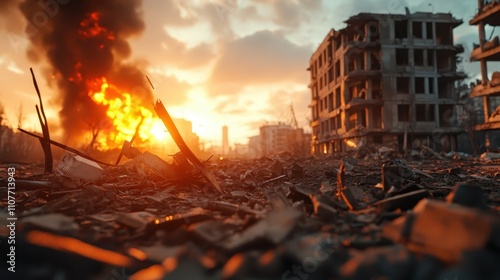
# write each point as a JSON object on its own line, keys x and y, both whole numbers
{"x": 274, "y": 218}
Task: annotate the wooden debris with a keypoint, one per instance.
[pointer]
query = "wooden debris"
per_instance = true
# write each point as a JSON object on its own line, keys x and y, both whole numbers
{"x": 45, "y": 141}
{"x": 169, "y": 124}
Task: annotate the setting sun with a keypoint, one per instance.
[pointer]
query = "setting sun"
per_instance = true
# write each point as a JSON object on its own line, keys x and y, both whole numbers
{"x": 158, "y": 130}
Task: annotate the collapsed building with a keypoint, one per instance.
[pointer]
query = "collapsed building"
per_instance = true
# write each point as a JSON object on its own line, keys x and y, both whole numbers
{"x": 388, "y": 79}
{"x": 486, "y": 88}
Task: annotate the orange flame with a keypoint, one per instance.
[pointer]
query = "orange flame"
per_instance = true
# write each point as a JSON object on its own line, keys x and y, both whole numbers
{"x": 90, "y": 27}
{"x": 125, "y": 116}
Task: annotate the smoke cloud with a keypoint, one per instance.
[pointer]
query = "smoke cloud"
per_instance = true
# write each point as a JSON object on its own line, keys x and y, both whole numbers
{"x": 83, "y": 41}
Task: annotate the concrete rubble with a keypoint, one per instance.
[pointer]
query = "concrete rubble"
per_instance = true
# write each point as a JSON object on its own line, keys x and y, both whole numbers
{"x": 78, "y": 169}
{"x": 278, "y": 218}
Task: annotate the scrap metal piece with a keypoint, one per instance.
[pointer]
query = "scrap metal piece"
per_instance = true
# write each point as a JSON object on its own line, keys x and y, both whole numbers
{"x": 273, "y": 179}
{"x": 404, "y": 201}
{"x": 345, "y": 192}
{"x": 62, "y": 146}
{"x": 128, "y": 145}
{"x": 174, "y": 132}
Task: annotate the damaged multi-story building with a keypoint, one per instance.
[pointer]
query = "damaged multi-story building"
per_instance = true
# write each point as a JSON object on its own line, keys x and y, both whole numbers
{"x": 386, "y": 79}
{"x": 487, "y": 88}
{"x": 279, "y": 138}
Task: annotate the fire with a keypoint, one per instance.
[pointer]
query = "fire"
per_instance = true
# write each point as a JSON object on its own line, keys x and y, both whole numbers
{"x": 124, "y": 115}
{"x": 351, "y": 144}
{"x": 90, "y": 27}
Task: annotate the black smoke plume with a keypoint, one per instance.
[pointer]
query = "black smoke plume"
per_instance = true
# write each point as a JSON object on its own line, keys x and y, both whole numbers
{"x": 84, "y": 40}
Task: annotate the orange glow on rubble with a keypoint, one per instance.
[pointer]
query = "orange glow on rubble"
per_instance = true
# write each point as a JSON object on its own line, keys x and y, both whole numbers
{"x": 125, "y": 115}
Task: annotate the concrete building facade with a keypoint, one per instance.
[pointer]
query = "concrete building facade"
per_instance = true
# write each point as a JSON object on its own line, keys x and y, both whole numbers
{"x": 382, "y": 77}
{"x": 280, "y": 138}
{"x": 488, "y": 89}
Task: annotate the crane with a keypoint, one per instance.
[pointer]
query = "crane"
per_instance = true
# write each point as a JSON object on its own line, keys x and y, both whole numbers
{"x": 294, "y": 119}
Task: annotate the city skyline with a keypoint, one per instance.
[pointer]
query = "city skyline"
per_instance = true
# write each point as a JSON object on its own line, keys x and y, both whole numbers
{"x": 194, "y": 52}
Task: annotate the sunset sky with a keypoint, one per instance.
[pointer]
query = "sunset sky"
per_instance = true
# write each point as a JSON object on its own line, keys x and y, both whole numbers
{"x": 222, "y": 62}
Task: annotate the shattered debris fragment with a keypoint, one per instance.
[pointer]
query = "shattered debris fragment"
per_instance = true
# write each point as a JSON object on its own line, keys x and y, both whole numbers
{"x": 277, "y": 225}
{"x": 78, "y": 168}
{"x": 169, "y": 124}
{"x": 344, "y": 191}
{"x": 157, "y": 164}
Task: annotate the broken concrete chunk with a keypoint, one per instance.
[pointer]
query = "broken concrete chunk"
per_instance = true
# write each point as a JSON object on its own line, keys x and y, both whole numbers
{"x": 374, "y": 263}
{"x": 182, "y": 163}
{"x": 325, "y": 187}
{"x": 208, "y": 233}
{"x": 57, "y": 223}
{"x": 300, "y": 194}
{"x": 105, "y": 218}
{"x": 395, "y": 173}
{"x": 391, "y": 177}
{"x": 248, "y": 179}
{"x": 78, "y": 168}
{"x": 349, "y": 163}
{"x": 383, "y": 150}
{"x": 129, "y": 151}
{"x": 462, "y": 229}
{"x": 467, "y": 195}
{"x": 490, "y": 156}
{"x": 323, "y": 209}
{"x": 157, "y": 164}
{"x": 277, "y": 169}
{"x": 274, "y": 229}
{"x": 295, "y": 171}
{"x": 97, "y": 191}
{"x": 239, "y": 195}
{"x": 135, "y": 220}
{"x": 277, "y": 200}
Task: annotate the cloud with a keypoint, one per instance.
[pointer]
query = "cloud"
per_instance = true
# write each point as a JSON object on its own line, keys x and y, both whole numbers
{"x": 250, "y": 13}
{"x": 218, "y": 13}
{"x": 10, "y": 16}
{"x": 287, "y": 13}
{"x": 264, "y": 57}
{"x": 291, "y": 14}
{"x": 12, "y": 67}
{"x": 300, "y": 100}
{"x": 172, "y": 13}
{"x": 176, "y": 53}
{"x": 169, "y": 89}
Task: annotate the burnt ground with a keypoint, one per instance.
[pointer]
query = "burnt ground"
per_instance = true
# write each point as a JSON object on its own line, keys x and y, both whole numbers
{"x": 279, "y": 218}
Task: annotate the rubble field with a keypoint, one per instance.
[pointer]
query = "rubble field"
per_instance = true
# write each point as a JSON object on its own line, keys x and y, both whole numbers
{"x": 429, "y": 217}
